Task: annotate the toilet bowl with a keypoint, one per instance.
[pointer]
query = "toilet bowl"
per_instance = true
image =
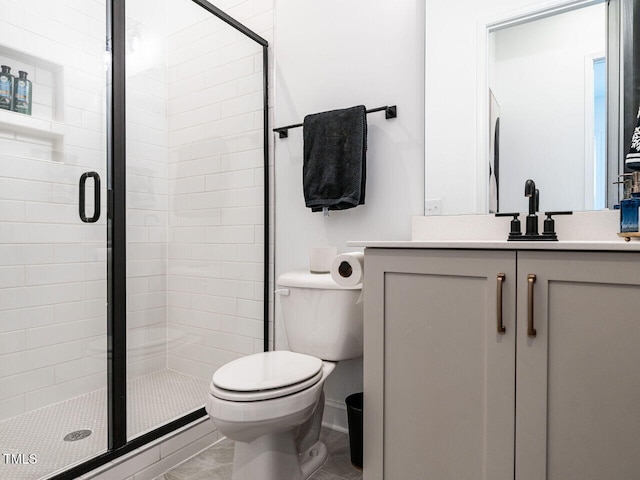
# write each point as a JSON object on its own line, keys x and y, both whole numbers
{"x": 270, "y": 426}
{"x": 272, "y": 403}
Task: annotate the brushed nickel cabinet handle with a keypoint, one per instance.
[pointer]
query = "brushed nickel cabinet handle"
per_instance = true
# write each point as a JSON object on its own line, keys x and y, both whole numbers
{"x": 531, "y": 331}
{"x": 501, "y": 328}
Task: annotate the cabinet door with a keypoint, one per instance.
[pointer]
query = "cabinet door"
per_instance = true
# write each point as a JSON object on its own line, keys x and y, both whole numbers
{"x": 578, "y": 379}
{"x": 439, "y": 378}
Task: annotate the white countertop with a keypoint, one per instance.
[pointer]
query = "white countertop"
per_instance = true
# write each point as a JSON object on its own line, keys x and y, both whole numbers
{"x": 616, "y": 246}
{"x": 580, "y": 231}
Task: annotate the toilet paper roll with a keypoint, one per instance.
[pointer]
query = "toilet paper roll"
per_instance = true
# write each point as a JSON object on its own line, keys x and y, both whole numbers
{"x": 320, "y": 259}
{"x": 347, "y": 269}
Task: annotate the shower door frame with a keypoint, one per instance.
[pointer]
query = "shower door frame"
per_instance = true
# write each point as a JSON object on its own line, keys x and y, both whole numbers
{"x": 116, "y": 241}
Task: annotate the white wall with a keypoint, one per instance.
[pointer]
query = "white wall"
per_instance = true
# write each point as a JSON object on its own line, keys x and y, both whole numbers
{"x": 456, "y": 64}
{"x": 539, "y": 79}
{"x": 335, "y": 54}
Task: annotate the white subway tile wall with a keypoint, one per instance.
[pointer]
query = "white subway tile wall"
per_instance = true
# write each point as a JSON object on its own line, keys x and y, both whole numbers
{"x": 52, "y": 266}
{"x": 215, "y": 257}
{"x": 194, "y": 191}
{"x": 147, "y": 187}
{"x": 194, "y": 194}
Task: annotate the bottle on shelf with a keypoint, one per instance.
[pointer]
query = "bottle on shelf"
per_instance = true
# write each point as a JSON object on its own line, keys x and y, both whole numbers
{"x": 22, "y": 95}
{"x": 7, "y": 83}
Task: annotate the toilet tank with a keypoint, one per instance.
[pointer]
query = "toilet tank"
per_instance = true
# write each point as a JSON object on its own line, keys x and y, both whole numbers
{"x": 321, "y": 318}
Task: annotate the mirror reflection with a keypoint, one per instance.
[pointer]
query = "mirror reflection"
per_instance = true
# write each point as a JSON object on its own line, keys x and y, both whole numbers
{"x": 547, "y": 109}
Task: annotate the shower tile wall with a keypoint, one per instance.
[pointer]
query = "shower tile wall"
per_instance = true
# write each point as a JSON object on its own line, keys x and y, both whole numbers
{"x": 52, "y": 266}
{"x": 195, "y": 189}
{"x": 147, "y": 187}
{"x": 216, "y": 206}
{"x": 194, "y": 195}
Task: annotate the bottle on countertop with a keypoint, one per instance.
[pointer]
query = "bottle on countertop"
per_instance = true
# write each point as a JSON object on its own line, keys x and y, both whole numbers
{"x": 22, "y": 95}
{"x": 6, "y": 88}
{"x": 630, "y": 207}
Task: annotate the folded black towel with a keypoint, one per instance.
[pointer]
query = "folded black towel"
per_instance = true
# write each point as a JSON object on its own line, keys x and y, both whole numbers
{"x": 632, "y": 161}
{"x": 334, "y": 169}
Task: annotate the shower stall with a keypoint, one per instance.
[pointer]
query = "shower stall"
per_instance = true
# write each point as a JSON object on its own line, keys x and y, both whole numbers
{"x": 134, "y": 224}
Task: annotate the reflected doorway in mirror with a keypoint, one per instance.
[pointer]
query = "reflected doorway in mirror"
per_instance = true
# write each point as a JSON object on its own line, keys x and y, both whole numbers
{"x": 494, "y": 154}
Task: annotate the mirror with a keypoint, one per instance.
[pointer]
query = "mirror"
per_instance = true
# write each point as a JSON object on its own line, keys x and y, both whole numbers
{"x": 517, "y": 91}
{"x": 547, "y": 110}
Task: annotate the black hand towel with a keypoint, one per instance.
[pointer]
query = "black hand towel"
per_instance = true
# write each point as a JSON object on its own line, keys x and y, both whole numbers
{"x": 334, "y": 169}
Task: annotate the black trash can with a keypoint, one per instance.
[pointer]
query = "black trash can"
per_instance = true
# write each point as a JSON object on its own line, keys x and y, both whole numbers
{"x": 354, "y": 417}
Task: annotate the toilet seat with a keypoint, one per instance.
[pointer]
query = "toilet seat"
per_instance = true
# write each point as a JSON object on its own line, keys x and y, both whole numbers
{"x": 264, "y": 376}
{"x": 263, "y": 394}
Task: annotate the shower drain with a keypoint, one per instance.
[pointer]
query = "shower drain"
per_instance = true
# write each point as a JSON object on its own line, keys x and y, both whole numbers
{"x": 77, "y": 435}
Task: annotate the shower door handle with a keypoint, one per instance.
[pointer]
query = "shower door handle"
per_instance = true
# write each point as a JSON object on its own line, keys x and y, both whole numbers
{"x": 96, "y": 197}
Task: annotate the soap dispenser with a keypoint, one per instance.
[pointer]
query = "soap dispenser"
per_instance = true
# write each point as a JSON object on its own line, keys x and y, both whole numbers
{"x": 629, "y": 207}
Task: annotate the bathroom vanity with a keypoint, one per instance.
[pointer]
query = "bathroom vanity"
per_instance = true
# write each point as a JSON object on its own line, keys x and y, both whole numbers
{"x": 497, "y": 360}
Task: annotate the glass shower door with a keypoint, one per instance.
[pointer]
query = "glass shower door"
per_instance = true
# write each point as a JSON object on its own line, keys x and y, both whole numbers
{"x": 53, "y": 285}
{"x": 195, "y": 205}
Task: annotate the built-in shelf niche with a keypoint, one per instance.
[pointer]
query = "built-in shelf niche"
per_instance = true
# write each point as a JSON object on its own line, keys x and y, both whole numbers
{"x": 47, "y": 79}
{"x": 22, "y": 124}
{"x": 46, "y": 122}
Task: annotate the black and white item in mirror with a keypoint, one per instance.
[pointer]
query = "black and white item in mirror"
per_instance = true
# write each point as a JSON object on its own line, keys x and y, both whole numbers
{"x": 632, "y": 161}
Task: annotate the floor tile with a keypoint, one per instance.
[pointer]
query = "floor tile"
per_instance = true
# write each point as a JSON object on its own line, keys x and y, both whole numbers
{"x": 339, "y": 461}
{"x": 152, "y": 400}
{"x": 322, "y": 475}
{"x": 216, "y": 462}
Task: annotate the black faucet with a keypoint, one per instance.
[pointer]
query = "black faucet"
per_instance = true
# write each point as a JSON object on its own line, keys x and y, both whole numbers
{"x": 531, "y": 234}
{"x": 533, "y": 194}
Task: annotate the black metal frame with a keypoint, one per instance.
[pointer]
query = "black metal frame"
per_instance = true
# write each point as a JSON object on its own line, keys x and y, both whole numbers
{"x": 623, "y": 88}
{"x": 116, "y": 241}
{"x": 265, "y": 163}
{"x": 117, "y": 230}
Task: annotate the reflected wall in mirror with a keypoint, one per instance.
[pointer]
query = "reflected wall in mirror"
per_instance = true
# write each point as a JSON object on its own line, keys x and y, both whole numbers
{"x": 548, "y": 77}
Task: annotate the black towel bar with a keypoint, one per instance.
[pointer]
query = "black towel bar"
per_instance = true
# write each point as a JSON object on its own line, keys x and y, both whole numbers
{"x": 389, "y": 112}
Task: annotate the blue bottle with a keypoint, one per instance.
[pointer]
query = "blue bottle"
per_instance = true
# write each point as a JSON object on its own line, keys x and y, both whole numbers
{"x": 629, "y": 207}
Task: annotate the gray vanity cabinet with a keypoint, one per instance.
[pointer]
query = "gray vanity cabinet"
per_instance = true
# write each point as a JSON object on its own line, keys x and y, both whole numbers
{"x": 448, "y": 396}
{"x": 439, "y": 379}
{"x": 578, "y": 379}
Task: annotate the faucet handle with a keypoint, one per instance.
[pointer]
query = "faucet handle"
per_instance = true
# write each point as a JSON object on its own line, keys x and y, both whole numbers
{"x": 549, "y": 223}
{"x": 516, "y": 230}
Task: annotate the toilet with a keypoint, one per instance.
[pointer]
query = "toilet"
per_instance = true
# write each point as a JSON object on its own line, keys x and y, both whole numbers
{"x": 272, "y": 403}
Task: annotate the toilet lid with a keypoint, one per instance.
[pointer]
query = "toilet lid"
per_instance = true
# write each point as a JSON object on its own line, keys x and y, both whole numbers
{"x": 258, "y": 395}
{"x": 266, "y": 371}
